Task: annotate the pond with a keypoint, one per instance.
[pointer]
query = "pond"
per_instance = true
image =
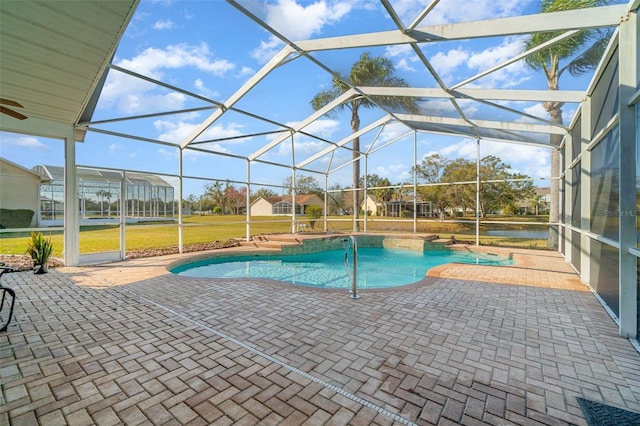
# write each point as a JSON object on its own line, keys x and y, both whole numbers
{"x": 532, "y": 234}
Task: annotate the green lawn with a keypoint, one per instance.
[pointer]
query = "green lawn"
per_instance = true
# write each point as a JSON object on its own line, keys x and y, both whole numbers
{"x": 202, "y": 229}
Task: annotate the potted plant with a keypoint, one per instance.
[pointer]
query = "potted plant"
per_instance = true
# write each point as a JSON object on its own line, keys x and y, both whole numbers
{"x": 39, "y": 248}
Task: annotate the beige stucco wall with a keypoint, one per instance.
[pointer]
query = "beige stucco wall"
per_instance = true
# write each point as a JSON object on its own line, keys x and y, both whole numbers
{"x": 18, "y": 189}
{"x": 261, "y": 208}
{"x": 315, "y": 201}
{"x": 370, "y": 204}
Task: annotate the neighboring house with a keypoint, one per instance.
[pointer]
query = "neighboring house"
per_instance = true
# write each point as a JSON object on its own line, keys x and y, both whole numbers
{"x": 146, "y": 195}
{"x": 396, "y": 207}
{"x": 19, "y": 188}
{"x": 539, "y": 205}
{"x": 275, "y": 206}
{"x": 239, "y": 208}
{"x": 372, "y": 206}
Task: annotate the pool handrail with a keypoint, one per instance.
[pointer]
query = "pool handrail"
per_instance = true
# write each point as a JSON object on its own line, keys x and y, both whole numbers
{"x": 353, "y": 275}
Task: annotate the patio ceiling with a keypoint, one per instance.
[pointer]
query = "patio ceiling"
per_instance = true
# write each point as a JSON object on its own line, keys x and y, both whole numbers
{"x": 54, "y": 59}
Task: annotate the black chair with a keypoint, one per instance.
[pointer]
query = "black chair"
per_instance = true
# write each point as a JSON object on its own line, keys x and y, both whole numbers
{"x": 5, "y": 291}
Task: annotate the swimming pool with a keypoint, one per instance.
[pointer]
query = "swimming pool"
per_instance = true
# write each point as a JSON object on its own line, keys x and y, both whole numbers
{"x": 377, "y": 267}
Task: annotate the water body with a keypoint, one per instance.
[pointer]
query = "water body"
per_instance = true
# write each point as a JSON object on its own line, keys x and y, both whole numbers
{"x": 377, "y": 267}
{"x": 532, "y": 234}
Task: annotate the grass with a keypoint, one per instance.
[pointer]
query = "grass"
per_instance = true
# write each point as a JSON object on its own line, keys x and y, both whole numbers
{"x": 202, "y": 229}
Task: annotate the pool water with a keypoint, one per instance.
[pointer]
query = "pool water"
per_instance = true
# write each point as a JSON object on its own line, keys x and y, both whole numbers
{"x": 377, "y": 267}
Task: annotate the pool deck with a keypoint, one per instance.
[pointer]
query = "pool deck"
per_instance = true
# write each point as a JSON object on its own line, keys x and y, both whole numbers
{"x": 130, "y": 343}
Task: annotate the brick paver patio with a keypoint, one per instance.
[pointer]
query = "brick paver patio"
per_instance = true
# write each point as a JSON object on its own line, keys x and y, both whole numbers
{"x": 130, "y": 343}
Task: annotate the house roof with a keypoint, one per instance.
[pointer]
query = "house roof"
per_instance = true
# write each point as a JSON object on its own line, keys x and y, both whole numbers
{"x": 22, "y": 169}
{"x": 100, "y": 175}
{"x": 300, "y": 199}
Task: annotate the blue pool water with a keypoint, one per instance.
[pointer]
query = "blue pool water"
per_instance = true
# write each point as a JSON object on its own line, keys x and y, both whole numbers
{"x": 377, "y": 267}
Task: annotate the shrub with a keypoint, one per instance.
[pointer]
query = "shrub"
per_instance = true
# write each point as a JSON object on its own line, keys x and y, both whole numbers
{"x": 15, "y": 218}
{"x": 40, "y": 249}
{"x": 313, "y": 213}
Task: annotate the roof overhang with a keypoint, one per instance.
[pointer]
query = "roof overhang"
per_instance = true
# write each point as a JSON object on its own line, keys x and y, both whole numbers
{"x": 53, "y": 60}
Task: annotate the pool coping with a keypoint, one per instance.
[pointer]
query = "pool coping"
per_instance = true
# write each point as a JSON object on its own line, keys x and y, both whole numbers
{"x": 440, "y": 271}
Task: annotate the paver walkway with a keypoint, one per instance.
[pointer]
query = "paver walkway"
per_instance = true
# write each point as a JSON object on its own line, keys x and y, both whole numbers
{"x": 130, "y": 343}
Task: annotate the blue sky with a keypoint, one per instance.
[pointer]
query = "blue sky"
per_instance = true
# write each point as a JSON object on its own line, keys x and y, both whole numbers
{"x": 211, "y": 49}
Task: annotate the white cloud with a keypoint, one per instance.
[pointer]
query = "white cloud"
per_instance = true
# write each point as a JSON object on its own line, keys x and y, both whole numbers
{"x": 455, "y": 62}
{"x": 115, "y": 148}
{"x": 452, "y": 63}
{"x": 458, "y": 10}
{"x": 321, "y": 127}
{"x": 510, "y": 76}
{"x": 152, "y": 61}
{"x": 404, "y": 55}
{"x": 245, "y": 72}
{"x": 266, "y": 50}
{"x": 203, "y": 90}
{"x": 165, "y": 24}
{"x": 324, "y": 128}
{"x": 23, "y": 142}
{"x": 538, "y": 110}
{"x": 444, "y": 107}
{"x": 131, "y": 95}
{"x": 529, "y": 160}
{"x": 403, "y": 64}
{"x": 396, "y": 173}
{"x": 444, "y": 63}
{"x": 487, "y": 58}
{"x": 297, "y": 22}
{"x": 392, "y": 131}
{"x": 303, "y": 145}
{"x": 177, "y": 131}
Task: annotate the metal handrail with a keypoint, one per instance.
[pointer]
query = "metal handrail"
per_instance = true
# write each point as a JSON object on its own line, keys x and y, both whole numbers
{"x": 353, "y": 275}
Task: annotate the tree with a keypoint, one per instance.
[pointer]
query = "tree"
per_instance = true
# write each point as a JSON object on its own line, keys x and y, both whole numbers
{"x": 263, "y": 193}
{"x": 504, "y": 188}
{"x": 381, "y": 190}
{"x": 313, "y": 213}
{"x": 191, "y": 202}
{"x": 213, "y": 194}
{"x": 577, "y": 54}
{"x": 461, "y": 195}
{"x": 431, "y": 171}
{"x": 366, "y": 71}
{"x": 500, "y": 188}
{"x": 304, "y": 185}
{"x": 102, "y": 195}
{"x": 219, "y": 195}
{"x": 235, "y": 197}
{"x": 336, "y": 203}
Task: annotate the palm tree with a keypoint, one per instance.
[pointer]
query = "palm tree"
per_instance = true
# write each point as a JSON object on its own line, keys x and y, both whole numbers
{"x": 102, "y": 194}
{"x": 577, "y": 55}
{"x": 366, "y": 71}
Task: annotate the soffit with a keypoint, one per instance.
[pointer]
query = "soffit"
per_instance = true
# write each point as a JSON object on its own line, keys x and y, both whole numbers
{"x": 53, "y": 55}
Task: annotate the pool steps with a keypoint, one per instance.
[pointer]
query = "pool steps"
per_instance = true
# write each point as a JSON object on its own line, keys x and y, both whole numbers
{"x": 272, "y": 241}
{"x": 298, "y": 244}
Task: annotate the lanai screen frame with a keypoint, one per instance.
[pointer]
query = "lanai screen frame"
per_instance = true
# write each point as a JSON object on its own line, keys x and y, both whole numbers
{"x": 587, "y": 18}
{"x": 412, "y": 35}
{"x": 620, "y": 16}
